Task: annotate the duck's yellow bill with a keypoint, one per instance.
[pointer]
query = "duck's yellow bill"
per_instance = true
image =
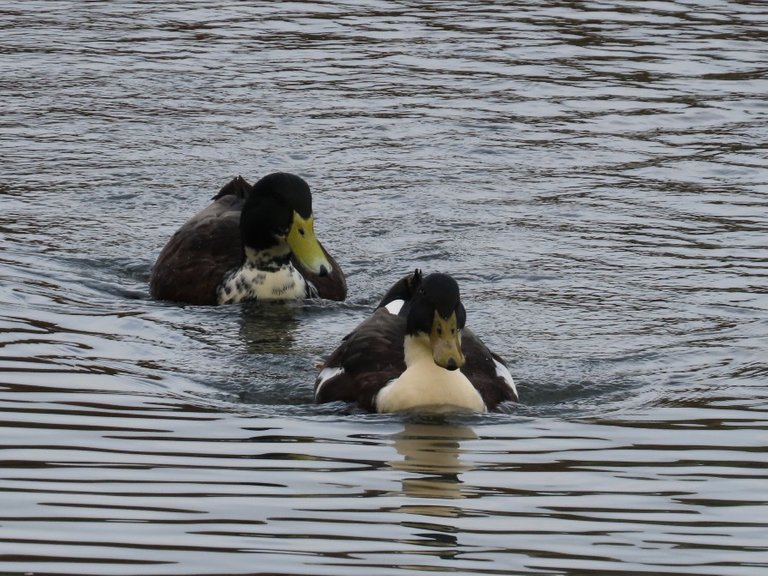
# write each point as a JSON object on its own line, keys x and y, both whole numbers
{"x": 306, "y": 248}
{"x": 445, "y": 339}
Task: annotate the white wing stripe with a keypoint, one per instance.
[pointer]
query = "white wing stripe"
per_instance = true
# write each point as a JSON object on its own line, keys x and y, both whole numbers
{"x": 503, "y": 373}
{"x": 395, "y": 306}
{"x": 327, "y": 374}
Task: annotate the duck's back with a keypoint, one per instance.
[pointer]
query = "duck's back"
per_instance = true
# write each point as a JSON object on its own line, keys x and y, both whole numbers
{"x": 487, "y": 371}
{"x": 198, "y": 256}
{"x": 368, "y": 358}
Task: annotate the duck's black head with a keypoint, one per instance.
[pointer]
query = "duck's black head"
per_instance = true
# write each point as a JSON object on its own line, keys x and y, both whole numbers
{"x": 265, "y": 222}
{"x": 293, "y": 189}
{"x": 265, "y": 208}
{"x": 436, "y": 310}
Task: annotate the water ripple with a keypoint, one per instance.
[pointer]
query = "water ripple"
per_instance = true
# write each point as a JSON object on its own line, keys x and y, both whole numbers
{"x": 593, "y": 174}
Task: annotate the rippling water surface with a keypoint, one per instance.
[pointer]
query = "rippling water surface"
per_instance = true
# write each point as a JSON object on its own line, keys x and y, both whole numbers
{"x": 593, "y": 173}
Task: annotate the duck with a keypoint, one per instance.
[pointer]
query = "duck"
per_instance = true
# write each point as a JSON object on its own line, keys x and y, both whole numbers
{"x": 250, "y": 243}
{"x": 415, "y": 354}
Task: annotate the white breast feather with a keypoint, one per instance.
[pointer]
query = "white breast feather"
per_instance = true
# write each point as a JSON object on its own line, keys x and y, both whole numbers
{"x": 424, "y": 384}
{"x": 251, "y": 283}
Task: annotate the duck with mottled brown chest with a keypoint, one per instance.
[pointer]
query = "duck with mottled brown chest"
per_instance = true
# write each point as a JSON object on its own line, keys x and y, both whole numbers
{"x": 250, "y": 243}
{"x": 415, "y": 354}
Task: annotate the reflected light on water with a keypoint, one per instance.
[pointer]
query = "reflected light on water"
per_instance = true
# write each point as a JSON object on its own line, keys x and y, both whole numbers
{"x": 594, "y": 176}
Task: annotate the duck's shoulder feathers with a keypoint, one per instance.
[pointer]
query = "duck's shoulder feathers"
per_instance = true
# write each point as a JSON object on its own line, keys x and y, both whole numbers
{"x": 237, "y": 187}
{"x": 487, "y": 371}
{"x": 209, "y": 241}
{"x": 367, "y": 359}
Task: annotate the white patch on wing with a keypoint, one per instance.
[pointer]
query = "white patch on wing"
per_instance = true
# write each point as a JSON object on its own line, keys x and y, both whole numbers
{"x": 395, "y": 306}
{"x": 327, "y": 374}
{"x": 503, "y": 373}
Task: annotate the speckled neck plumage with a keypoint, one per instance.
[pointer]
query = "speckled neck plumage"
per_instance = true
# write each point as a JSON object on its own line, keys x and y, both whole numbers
{"x": 265, "y": 275}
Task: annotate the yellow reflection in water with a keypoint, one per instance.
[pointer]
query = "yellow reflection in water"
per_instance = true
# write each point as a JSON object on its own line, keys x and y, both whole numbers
{"x": 431, "y": 453}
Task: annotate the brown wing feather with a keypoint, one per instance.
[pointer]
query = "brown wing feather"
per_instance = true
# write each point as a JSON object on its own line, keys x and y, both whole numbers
{"x": 480, "y": 369}
{"x": 197, "y": 257}
{"x": 370, "y": 356}
{"x": 237, "y": 187}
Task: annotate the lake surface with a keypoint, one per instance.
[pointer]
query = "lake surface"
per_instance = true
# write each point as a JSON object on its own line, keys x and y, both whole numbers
{"x": 595, "y": 176}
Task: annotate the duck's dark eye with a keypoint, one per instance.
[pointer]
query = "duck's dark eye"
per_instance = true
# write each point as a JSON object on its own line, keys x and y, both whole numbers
{"x": 301, "y": 231}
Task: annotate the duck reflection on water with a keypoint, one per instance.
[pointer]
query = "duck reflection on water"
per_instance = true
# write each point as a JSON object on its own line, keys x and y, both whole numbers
{"x": 431, "y": 455}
